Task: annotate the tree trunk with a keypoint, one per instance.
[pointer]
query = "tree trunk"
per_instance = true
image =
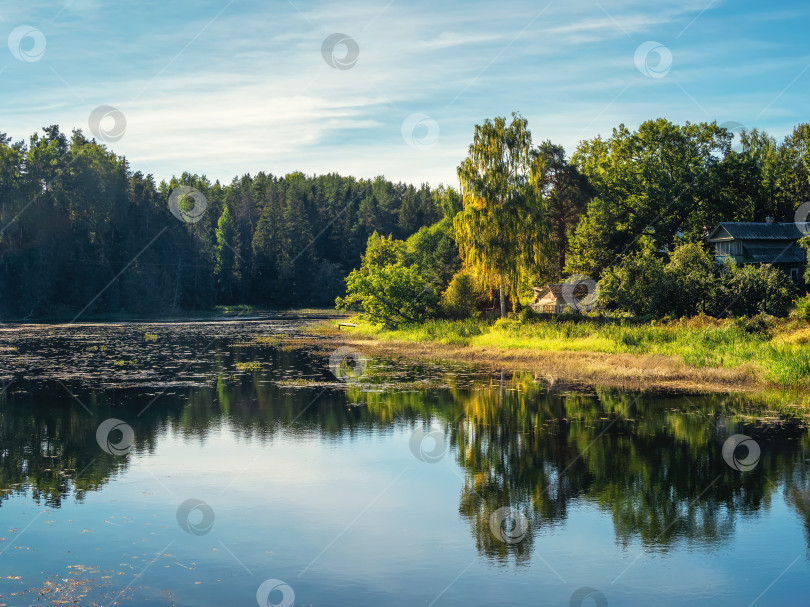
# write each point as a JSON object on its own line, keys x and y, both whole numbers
{"x": 503, "y": 302}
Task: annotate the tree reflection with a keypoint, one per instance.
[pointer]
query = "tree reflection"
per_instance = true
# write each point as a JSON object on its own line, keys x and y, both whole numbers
{"x": 654, "y": 463}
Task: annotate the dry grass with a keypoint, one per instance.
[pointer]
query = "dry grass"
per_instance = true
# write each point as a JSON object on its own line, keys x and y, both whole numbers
{"x": 622, "y": 370}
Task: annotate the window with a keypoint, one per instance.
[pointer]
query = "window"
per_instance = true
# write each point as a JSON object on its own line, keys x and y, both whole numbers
{"x": 794, "y": 274}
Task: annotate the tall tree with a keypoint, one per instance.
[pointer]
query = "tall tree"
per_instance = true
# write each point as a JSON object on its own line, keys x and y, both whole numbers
{"x": 566, "y": 193}
{"x": 501, "y": 229}
{"x": 657, "y": 182}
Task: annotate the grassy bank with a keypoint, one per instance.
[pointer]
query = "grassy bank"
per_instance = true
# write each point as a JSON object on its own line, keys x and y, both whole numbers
{"x": 694, "y": 353}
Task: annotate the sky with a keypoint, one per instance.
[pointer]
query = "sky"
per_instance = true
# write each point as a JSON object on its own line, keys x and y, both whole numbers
{"x": 387, "y": 87}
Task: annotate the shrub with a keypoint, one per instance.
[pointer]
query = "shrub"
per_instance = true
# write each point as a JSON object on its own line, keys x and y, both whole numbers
{"x": 802, "y": 310}
{"x": 748, "y": 290}
{"x": 638, "y": 284}
{"x": 460, "y": 299}
{"x": 389, "y": 295}
{"x": 386, "y": 291}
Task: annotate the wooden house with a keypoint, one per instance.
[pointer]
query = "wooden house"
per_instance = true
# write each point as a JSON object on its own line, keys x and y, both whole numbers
{"x": 762, "y": 243}
{"x": 551, "y": 300}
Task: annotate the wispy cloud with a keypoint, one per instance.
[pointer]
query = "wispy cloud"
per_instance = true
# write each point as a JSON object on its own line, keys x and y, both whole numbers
{"x": 252, "y": 92}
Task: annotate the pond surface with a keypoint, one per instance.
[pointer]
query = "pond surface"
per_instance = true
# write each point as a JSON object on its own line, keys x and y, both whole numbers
{"x": 219, "y": 464}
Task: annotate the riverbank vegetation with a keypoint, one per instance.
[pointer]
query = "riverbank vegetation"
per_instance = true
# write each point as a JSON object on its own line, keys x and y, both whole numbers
{"x": 696, "y": 353}
{"x": 623, "y": 224}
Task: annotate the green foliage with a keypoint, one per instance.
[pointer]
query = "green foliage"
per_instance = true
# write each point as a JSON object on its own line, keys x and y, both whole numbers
{"x": 434, "y": 253}
{"x": 389, "y": 295}
{"x": 566, "y": 193}
{"x": 659, "y": 181}
{"x": 80, "y": 227}
{"x": 748, "y": 290}
{"x": 690, "y": 284}
{"x": 462, "y": 296}
{"x": 386, "y": 291}
{"x": 691, "y": 280}
{"x": 805, "y": 244}
{"x": 502, "y": 228}
{"x": 382, "y": 251}
{"x": 803, "y": 308}
{"x": 638, "y": 284}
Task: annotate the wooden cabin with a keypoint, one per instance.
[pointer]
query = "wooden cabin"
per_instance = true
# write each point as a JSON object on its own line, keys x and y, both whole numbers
{"x": 550, "y": 299}
{"x": 762, "y": 243}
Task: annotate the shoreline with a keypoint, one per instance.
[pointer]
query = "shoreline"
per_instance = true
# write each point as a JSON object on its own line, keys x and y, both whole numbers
{"x": 645, "y": 372}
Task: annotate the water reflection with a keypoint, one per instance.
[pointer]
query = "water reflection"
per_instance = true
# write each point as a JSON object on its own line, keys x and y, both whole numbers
{"x": 653, "y": 463}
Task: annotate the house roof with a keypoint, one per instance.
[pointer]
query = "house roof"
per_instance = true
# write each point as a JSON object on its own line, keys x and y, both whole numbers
{"x": 768, "y": 253}
{"x": 556, "y": 290}
{"x": 730, "y": 230}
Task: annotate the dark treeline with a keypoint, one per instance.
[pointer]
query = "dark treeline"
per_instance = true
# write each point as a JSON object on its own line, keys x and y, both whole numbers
{"x": 80, "y": 232}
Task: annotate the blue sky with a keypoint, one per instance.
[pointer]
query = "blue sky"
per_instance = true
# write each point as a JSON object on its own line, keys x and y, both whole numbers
{"x": 224, "y": 87}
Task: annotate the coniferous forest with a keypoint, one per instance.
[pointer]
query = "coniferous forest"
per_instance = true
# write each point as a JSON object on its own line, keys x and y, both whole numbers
{"x": 82, "y": 232}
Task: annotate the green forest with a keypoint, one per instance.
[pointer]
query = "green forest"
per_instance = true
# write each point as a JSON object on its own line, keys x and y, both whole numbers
{"x": 627, "y": 216}
{"x": 83, "y": 233}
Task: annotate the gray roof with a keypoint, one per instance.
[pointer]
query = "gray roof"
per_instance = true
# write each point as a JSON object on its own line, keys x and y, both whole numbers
{"x": 728, "y": 230}
{"x": 767, "y": 253}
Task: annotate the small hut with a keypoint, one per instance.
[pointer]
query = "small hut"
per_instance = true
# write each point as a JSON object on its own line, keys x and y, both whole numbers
{"x": 551, "y": 298}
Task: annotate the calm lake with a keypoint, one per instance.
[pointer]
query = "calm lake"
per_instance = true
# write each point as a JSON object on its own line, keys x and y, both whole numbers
{"x": 221, "y": 464}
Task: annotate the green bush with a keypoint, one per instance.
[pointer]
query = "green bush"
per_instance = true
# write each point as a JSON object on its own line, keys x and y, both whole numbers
{"x": 384, "y": 290}
{"x": 802, "y": 310}
{"x": 460, "y": 299}
{"x": 748, "y": 290}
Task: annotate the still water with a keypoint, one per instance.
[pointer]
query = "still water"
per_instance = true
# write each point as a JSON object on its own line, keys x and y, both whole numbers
{"x": 221, "y": 464}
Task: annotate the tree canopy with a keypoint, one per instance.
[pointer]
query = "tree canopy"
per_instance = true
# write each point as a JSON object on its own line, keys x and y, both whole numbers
{"x": 80, "y": 231}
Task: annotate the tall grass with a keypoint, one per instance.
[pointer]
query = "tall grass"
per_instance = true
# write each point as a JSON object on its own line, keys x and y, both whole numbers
{"x": 779, "y": 348}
